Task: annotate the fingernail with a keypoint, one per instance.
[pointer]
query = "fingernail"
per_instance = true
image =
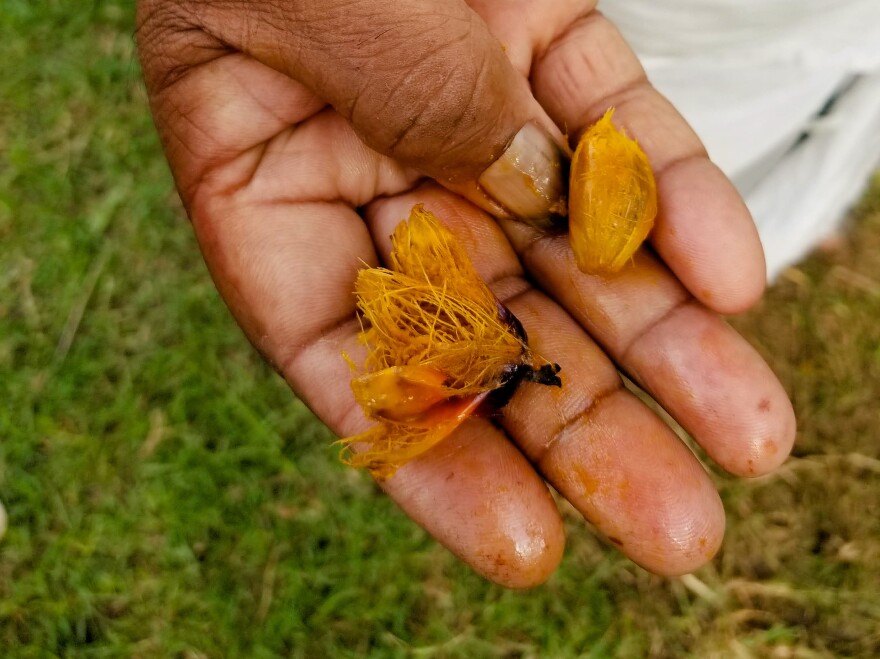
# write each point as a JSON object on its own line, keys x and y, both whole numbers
{"x": 528, "y": 179}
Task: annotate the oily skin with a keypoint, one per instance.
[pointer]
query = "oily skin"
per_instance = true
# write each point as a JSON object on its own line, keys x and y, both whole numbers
{"x": 300, "y": 133}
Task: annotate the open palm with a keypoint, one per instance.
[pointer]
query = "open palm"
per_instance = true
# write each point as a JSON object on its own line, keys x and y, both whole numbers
{"x": 266, "y": 111}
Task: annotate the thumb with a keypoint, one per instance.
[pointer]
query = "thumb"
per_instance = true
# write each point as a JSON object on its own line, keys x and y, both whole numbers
{"x": 424, "y": 82}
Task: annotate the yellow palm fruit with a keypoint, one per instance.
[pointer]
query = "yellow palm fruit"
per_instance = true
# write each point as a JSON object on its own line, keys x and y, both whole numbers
{"x": 612, "y": 198}
{"x": 441, "y": 346}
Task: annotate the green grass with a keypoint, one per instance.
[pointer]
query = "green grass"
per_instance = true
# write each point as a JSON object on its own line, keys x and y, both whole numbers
{"x": 168, "y": 496}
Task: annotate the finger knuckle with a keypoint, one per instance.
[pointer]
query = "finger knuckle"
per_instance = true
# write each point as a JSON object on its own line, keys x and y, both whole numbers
{"x": 429, "y": 104}
{"x": 170, "y": 40}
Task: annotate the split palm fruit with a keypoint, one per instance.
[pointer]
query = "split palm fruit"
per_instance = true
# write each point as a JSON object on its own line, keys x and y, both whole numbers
{"x": 441, "y": 347}
{"x": 612, "y": 198}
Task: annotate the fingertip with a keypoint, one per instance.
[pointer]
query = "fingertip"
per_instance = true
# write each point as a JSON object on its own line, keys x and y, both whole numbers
{"x": 478, "y": 496}
{"x": 527, "y": 180}
{"x": 525, "y": 560}
{"x": 695, "y": 547}
{"x": 770, "y": 441}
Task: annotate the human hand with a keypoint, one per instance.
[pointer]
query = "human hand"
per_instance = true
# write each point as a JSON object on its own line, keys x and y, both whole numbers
{"x": 300, "y": 132}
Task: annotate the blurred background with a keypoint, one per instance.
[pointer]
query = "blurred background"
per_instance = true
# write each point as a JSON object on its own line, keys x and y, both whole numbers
{"x": 168, "y": 496}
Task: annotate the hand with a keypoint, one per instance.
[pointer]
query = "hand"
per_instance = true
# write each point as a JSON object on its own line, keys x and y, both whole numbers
{"x": 300, "y": 133}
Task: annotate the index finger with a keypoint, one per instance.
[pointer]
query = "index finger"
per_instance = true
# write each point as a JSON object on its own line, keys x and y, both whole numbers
{"x": 704, "y": 231}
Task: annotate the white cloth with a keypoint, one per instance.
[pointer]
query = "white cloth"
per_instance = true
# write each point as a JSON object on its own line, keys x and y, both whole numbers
{"x": 784, "y": 93}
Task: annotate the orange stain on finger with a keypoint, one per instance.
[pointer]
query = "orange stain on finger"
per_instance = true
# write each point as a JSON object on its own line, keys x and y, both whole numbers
{"x": 589, "y": 482}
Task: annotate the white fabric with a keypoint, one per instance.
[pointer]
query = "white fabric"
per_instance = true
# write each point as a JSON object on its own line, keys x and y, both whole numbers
{"x": 784, "y": 93}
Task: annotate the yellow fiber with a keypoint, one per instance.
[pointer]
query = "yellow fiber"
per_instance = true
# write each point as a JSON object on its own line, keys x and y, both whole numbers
{"x": 429, "y": 314}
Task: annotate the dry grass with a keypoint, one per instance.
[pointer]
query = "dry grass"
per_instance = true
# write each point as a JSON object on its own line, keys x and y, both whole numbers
{"x": 803, "y": 551}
